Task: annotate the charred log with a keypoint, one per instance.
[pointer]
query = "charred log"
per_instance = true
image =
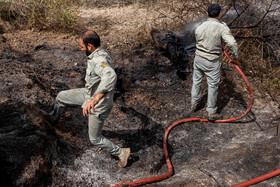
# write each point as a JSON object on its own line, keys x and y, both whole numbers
{"x": 178, "y": 48}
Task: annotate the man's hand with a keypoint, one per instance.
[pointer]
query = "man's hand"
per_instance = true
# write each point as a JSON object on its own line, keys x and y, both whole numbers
{"x": 90, "y": 105}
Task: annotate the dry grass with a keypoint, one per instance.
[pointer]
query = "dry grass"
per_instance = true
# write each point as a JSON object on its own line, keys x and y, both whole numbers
{"x": 255, "y": 24}
{"x": 40, "y": 14}
{"x": 131, "y": 24}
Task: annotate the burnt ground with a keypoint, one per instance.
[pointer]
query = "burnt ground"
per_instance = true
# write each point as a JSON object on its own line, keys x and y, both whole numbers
{"x": 33, "y": 151}
{"x": 35, "y": 66}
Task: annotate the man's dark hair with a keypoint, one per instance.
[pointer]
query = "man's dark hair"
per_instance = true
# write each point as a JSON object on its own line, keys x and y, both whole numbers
{"x": 214, "y": 10}
{"x": 90, "y": 37}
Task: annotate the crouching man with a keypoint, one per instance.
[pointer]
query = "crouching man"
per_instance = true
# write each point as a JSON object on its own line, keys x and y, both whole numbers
{"x": 96, "y": 98}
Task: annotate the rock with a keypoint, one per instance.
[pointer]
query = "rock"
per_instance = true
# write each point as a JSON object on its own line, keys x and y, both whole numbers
{"x": 67, "y": 114}
{"x": 29, "y": 83}
{"x": 4, "y": 99}
{"x": 73, "y": 74}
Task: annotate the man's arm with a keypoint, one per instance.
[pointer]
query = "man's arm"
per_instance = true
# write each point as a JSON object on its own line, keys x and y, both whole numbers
{"x": 108, "y": 77}
{"x": 108, "y": 81}
{"x": 230, "y": 41}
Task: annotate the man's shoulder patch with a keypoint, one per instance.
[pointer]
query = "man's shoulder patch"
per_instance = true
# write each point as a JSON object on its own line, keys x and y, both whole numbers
{"x": 104, "y": 64}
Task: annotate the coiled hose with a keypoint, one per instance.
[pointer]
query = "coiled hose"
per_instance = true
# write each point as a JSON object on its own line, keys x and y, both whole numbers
{"x": 168, "y": 162}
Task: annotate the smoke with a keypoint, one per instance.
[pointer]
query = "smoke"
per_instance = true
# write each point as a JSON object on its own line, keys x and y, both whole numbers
{"x": 186, "y": 33}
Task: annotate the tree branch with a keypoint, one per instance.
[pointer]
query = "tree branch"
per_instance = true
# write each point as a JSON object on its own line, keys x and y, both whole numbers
{"x": 238, "y": 15}
{"x": 260, "y": 20}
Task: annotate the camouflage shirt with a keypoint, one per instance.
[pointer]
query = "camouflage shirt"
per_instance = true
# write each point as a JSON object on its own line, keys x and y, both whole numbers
{"x": 209, "y": 36}
{"x": 100, "y": 78}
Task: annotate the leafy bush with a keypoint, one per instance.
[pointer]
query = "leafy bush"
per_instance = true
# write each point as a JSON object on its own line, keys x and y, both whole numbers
{"x": 40, "y": 14}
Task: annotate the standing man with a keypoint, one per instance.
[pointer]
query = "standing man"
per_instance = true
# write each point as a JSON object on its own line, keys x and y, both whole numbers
{"x": 209, "y": 36}
{"x": 96, "y": 98}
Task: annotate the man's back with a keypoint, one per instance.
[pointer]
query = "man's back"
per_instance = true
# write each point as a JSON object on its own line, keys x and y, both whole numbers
{"x": 209, "y": 36}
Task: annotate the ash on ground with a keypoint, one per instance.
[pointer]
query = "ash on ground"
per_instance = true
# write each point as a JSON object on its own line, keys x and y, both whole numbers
{"x": 150, "y": 96}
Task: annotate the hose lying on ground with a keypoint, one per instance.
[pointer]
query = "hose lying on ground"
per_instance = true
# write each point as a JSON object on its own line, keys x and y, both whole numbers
{"x": 168, "y": 162}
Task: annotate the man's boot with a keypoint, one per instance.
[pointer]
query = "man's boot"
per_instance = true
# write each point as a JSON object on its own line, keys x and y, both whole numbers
{"x": 195, "y": 107}
{"x": 125, "y": 153}
{"x": 214, "y": 116}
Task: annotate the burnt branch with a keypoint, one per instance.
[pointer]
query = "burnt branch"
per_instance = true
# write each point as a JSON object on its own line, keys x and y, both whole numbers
{"x": 238, "y": 14}
{"x": 260, "y": 20}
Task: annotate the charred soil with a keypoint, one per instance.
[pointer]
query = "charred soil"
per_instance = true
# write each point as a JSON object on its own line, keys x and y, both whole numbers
{"x": 150, "y": 96}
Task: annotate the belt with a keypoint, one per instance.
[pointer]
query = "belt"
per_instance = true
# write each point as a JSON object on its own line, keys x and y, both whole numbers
{"x": 218, "y": 54}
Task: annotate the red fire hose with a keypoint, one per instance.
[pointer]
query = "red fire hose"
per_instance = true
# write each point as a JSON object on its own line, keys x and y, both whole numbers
{"x": 168, "y": 162}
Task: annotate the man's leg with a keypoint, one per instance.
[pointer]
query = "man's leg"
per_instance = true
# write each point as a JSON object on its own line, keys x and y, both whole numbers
{"x": 67, "y": 97}
{"x": 95, "y": 125}
{"x": 197, "y": 79}
{"x": 213, "y": 79}
{"x": 95, "y": 135}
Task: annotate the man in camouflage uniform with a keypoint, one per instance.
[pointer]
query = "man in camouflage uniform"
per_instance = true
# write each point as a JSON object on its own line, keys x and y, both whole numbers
{"x": 209, "y": 36}
{"x": 96, "y": 98}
